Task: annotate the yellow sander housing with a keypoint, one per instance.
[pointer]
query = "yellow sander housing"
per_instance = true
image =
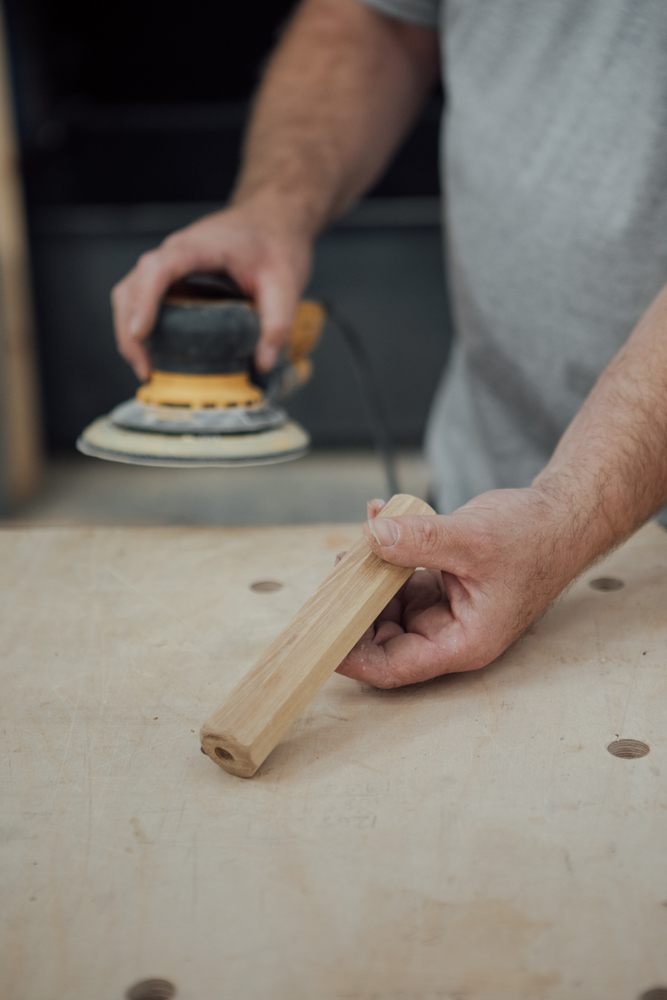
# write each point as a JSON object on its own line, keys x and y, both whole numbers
{"x": 205, "y": 403}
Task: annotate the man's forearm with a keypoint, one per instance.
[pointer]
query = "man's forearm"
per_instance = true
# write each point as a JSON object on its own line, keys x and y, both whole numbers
{"x": 338, "y": 95}
{"x": 610, "y": 467}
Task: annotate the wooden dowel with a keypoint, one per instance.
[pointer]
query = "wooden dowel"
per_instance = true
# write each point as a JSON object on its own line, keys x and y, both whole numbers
{"x": 246, "y": 728}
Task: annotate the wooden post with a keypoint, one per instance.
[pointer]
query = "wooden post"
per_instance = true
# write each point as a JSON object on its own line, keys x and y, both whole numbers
{"x": 19, "y": 422}
{"x": 246, "y": 728}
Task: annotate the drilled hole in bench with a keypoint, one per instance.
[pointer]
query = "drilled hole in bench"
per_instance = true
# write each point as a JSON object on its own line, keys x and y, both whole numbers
{"x": 629, "y": 750}
{"x": 265, "y": 586}
{"x": 223, "y": 754}
{"x": 606, "y": 583}
{"x": 151, "y": 989}
{"x": 657, "y": 993}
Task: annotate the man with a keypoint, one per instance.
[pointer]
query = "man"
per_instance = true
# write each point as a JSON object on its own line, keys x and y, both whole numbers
{"x": 555, "y": 183}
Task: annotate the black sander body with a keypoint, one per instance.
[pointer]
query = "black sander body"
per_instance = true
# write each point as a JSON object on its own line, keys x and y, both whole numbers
{"x": 205, "y": 403}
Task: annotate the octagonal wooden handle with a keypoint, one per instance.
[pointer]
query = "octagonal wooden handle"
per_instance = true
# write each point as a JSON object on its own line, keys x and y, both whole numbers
{"x": 246, "y": 728}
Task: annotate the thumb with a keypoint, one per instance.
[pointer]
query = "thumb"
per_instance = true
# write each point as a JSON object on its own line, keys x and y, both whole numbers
{"x": 276, "y": 301}
{"x": 414, "y": 541}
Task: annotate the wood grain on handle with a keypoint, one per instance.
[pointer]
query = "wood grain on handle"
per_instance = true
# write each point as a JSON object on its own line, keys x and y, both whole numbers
{"x": 246, "y": 728}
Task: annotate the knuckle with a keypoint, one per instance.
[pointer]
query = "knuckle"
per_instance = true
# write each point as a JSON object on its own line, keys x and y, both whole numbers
{"x": 126, "y": 345}
{"x": 150, "y": 263}
{"x": 426, "y": 535}
{"x": 169, "y": 243}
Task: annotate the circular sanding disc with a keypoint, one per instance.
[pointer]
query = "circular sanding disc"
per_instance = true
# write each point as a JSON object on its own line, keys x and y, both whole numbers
{"x": 103, "y": 439}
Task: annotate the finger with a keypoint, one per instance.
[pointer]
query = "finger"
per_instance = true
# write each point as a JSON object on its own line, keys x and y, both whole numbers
{"x": 402, "y": 659}
{"x": 422, "y": 590}
{"x": 137, "y": 357}
{"x": 386, "y": 626}
{"x": 277, "y": 299}
{"x": 385, "y": 631}
{"x": 421, "y": 606}
{"x": 430, "y": 541}
{"x": 392, "y": 660}
{"x": 392, "y": 612}
{"x": 136, "y": 300}
{"x": 373, "y": 508}
{"x": 128, "y": 335}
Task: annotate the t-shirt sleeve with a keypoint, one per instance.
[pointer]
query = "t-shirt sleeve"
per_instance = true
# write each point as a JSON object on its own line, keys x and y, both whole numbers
{"x": 423, "y": 12}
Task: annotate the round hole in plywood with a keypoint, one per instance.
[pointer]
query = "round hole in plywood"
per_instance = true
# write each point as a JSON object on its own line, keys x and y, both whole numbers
{"x": 223, "y": 754}
{"x": 629, "y": 750}
{"x": 606, "y": 583}
{"x": 265, "y": 586}
{"x": 151, "y": 989}
{"x": 657, "y": 993}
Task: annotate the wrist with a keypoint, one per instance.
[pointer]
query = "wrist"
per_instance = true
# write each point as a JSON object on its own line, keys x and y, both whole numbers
{"x": 579, "y": 527}
{"x": 292, "y": 214}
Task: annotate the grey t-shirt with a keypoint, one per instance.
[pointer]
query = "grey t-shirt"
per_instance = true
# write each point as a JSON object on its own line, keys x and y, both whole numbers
{"x": 555, "y": 192}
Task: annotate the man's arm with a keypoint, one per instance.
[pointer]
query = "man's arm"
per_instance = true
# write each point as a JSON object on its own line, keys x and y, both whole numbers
{"x": 613, "y": 456}
{"x": 339, "y": 93}
{"x": 497, "y": 563}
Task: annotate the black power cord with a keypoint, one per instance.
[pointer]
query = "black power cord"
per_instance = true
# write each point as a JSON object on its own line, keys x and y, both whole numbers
{"x": 363, "y": 371}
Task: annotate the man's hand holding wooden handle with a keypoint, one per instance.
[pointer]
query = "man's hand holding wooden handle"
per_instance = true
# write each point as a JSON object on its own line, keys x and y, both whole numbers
{"x": 489, "y": 570}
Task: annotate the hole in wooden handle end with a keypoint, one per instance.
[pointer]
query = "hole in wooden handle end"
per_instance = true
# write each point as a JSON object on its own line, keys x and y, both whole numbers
{"x": 228, "y": 755}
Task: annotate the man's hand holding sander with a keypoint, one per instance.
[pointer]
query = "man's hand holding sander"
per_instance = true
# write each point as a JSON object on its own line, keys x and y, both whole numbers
{"x": 341, "y": 91}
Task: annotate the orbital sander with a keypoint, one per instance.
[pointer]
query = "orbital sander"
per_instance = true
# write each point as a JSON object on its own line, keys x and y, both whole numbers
{"x": 205, "y": 403}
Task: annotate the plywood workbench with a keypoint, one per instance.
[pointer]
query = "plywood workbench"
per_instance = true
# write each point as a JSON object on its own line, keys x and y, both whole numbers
{"x": 468, "y": 838}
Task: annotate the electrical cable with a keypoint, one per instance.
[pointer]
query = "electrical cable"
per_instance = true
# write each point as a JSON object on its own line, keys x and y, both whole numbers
{"x": 363, "y": 371}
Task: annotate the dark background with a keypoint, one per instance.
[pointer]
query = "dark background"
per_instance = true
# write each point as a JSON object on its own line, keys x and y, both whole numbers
{"x": 139, "y": 107}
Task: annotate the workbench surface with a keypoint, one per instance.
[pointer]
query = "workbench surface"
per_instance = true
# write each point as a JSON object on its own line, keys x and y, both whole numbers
{"x": 470, "y": 838}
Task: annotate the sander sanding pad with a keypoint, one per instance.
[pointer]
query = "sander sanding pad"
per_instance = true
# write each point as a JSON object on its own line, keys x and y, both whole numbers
{"x": 104, "y": 439}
